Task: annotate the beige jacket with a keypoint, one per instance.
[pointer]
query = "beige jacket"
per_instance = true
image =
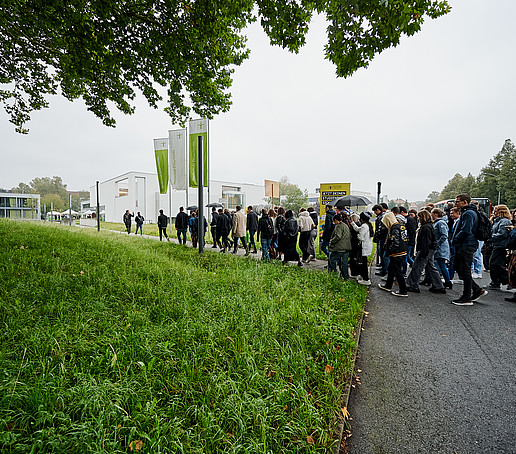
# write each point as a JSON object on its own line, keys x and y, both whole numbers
{"x": 239, "y": 224}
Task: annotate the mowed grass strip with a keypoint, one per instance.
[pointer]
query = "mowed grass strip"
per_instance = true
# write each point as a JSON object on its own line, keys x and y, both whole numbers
{"x": 110, "y": 343}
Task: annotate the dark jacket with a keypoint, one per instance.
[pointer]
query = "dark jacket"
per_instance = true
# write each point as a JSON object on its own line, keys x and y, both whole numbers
{"x": 291, "y": 228}
{"x": 380, "y": 231}
{"x": 214, "y": 217}
{"x": 252, "y": 221}
{"x": 315, "y": 218}
{"x": 127, "y": 218}
{"x": 411, "y": 226}
{"x": 396, "y": 240}
{"x": 182, "y": 220}
{"x": 464, "y": 232}
{"x": 263, "y": 230}
{"x": 426, "y": 240}
{"x": 139, "y": 219}
{"x": 162, "y": 221}
{"x": 224, "y": 224}
{"x": 280, "y": 223}
{"x": 328, "y": 225}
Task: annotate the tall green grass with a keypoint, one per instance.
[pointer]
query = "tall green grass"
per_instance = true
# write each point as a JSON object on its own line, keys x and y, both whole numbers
{"x": 106, "y": 340}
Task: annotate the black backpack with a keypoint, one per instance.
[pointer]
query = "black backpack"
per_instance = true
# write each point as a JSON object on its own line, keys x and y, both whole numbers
{"x": 270, "y": 227}
{"x": 484, "y": 230}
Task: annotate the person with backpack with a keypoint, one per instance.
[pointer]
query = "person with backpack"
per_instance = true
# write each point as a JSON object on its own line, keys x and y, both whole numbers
{"x": 265, "y": 232}
{"x": 465, "y": 243}
{"x": 426, "y": 245}
{"x": 396, "y": 249}
{"x": 139, "y": 223}
{"x": 290, "y": 231}
{"x": 499, "y": 239}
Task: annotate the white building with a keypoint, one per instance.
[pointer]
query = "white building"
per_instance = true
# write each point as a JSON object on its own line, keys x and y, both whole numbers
{"x": 20, "y": 206}
{"x": 139, "y": 191}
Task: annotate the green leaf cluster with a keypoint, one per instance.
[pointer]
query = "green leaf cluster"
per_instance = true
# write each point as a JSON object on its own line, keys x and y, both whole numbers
{"x": 107, "y": 52}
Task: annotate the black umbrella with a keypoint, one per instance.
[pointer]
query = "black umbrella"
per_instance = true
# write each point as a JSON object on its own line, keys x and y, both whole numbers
{"x": 214, "y": 204}
{"x": 192, "y": 208}
{"x": 350, "y": 201}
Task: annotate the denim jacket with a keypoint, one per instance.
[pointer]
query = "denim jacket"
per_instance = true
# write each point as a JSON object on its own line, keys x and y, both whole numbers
{"x": 442, "y": 250}
{"x": 500, "y": 232}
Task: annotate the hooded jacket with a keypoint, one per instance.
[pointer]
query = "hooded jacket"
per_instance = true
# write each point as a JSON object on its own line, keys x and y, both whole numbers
{"x": 397, "y": 238}
{"x": 464, "y": 231}
{"x": 328, "y": 225}
{"x": 305, "y": 221}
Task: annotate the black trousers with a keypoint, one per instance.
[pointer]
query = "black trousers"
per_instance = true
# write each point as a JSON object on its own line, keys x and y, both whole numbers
{"x": 395, "y": 271}
{"x": 162, "y": 231}
{"x": 498, "y": 266}
{"x": 304, "y": 238}
{"x": 463, "y": 261}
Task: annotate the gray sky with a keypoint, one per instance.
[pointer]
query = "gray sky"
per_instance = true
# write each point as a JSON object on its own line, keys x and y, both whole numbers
{"x": 440, "y": 103}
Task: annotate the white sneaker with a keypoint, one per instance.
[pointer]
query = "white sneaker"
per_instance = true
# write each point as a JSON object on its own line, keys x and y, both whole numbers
{"x": 504, "y": 288}
{"x": 362, "y": 282}
{"x": 476, "y": 275}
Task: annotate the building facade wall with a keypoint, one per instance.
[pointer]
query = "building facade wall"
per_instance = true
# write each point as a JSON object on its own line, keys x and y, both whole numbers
{"x": 20, "y": 206}
{"x": 139, "y": 191}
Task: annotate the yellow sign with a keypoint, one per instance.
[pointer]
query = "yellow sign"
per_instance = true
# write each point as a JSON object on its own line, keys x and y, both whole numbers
{"x": 328, "y": 193}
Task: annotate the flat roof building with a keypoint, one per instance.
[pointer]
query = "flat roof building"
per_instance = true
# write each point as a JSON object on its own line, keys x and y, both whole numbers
{"x": 20, "y": 206}
{"x": 139, "y": 191}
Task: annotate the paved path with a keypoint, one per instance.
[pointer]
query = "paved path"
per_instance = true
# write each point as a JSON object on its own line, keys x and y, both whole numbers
{"x": 435, "y": 378}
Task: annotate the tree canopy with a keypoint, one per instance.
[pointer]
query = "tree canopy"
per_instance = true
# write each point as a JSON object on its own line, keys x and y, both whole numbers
{"x": 53, "y": 190}
{"x": 107, "y": 52}
{"x": 497, "y": 177}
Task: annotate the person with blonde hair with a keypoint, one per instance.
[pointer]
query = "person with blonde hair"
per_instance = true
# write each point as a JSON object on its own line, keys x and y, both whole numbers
{"x": 396, "y": 250}
{"x": 498, "y": 262}
{"x": 426, "y": 246}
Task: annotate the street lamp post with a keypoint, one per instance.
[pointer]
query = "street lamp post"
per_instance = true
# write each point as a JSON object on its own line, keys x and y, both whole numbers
{"x": 497, "y": 186}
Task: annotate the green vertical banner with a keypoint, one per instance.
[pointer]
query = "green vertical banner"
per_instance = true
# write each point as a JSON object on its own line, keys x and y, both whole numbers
{"x": 197, "y": 128}
{"x": 161, "y": 153}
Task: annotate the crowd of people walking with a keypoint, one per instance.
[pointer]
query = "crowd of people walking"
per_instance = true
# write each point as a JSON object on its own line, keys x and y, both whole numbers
{"x": 414, "y": 248}
{"x": 460, "y": 240}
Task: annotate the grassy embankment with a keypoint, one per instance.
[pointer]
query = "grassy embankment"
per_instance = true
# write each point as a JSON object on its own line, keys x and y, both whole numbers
{"x": 108, "y": 342}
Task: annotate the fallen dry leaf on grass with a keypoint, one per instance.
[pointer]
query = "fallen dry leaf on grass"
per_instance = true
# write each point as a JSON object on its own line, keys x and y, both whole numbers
{"x": 135, "y": 445}
{"x": 328, "y": 369}
{"x": 345, "y": 412}
{"x": 310, "y": 440}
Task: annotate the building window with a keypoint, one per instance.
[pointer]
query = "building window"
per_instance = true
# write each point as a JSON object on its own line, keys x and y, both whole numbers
{"x": 122, "y": 187}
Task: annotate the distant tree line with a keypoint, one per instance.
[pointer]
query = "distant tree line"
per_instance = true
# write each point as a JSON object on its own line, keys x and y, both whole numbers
{"x": 496, "y": 179}
{"x": 53, "y": 190}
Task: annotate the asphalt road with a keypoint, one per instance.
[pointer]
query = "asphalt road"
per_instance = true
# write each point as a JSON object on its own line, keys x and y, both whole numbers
{"x": 435, "y": 377}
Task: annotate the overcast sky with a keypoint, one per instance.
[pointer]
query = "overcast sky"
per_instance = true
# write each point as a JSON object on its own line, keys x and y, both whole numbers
{"x": 440, "y": 103}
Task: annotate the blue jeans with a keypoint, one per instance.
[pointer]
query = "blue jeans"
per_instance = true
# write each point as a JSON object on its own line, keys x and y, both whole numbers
{"x": 340, "y": 259}
{"x": 251, "y": 239}
{"x": 139, "y": 226}
{"x": 324, "y": 247}
{"x": 181, "y": 232}
{"x": 477, "y": 259}
{"x": 407, "y": 259}
{"x": 441, "y": 266}
{"x": 266, "y": 242}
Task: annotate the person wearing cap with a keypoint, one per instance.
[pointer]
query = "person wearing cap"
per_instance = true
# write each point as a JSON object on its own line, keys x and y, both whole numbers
{"x": 365, "y": 237}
